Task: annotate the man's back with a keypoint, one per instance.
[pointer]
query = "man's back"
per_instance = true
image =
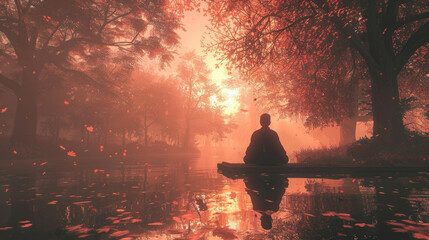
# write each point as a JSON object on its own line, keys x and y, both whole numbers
{"x": 265, "y": 148}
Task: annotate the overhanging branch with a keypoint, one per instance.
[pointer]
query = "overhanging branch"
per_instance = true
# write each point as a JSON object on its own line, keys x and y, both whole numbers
{"x": 9, "y": 83}
{"x": 417, "y": 39}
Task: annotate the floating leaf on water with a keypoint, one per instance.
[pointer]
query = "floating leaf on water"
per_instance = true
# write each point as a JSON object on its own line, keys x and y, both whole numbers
{"x": 155, "y": 224}
{"x": 103, "y": 229}
{"x": 420, "y": 236}
{"x": 176, "y": 219}
{"x": 224, "y": 233}
{"x": 120, "y": 233}
{"x": 176, "y": 231}
{"x": 310, "y": 215}
{"x": 82, "y": 202}
{"x": 135, "y": 220}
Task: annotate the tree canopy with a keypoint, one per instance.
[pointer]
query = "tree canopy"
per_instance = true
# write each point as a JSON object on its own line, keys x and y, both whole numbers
{"x": 318, "y": 38}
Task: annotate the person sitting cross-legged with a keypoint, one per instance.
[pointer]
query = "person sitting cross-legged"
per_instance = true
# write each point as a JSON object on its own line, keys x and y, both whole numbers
{"x": 265, "y": 147}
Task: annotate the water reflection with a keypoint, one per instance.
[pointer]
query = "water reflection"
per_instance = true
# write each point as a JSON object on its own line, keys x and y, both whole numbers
{"x": 266, "y": 192}
{"x": 166, "y": 199}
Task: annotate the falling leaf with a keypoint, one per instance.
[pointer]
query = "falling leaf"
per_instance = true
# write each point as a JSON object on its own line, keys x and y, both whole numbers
{"x": 90, "y": 128}
{"x": 71, "y": 153}
{"x": 3, "y": 110}
{"x": 26, "y": 225}
{"x": 5, "y": 228}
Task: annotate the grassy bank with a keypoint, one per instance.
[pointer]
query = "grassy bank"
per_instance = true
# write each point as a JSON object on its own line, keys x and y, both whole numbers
{"x": 413, "y": 149}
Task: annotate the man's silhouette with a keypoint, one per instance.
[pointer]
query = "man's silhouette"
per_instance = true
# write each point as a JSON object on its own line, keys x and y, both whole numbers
{"x": 265, "y": 147}
{"x": 266, "y": 193}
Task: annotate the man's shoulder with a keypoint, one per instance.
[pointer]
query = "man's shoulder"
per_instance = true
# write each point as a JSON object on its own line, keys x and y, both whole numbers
{"x": 262, "y": 131}
{"x": 272, "y": 132}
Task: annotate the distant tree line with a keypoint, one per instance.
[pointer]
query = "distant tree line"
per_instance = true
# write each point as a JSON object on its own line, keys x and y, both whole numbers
{"x": 69, "y": 65}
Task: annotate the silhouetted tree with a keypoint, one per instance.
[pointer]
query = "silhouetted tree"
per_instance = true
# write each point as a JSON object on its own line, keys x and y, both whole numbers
{"x": 386, "y": 34}
{"x": 69, "y": 35}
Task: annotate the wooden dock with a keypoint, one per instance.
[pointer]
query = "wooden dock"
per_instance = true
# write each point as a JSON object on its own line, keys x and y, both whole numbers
{"x": 309, "y": 171}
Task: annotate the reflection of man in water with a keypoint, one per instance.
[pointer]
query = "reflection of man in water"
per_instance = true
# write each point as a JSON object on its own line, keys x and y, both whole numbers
{"x": 265, "y": 147}
{"x": 266, "y": 193}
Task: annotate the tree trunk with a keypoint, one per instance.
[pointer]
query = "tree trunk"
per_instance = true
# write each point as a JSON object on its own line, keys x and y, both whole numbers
{"x": 348, "y": 131}
{"x": 123, "y": 138}
{"x": 187, "y": 134}
{"x": 25, "y": 126}
{"x": 348, "y": 126}
{"x": 388, "y": 124}
{"x": 57, "y": 129}
{"x": 87, "y": 139}
{"x": 146, "y": 142}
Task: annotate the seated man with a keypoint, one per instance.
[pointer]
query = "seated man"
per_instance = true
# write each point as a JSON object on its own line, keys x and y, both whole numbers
{"x": 265, "y": 147}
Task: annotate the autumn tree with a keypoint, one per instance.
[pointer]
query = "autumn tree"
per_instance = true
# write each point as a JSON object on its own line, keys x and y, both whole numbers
{"x": 197, "y": 87}
{"x": 158, "y": 103}
{"x": 69, "y": 35}
{"x": 250, "y": 35}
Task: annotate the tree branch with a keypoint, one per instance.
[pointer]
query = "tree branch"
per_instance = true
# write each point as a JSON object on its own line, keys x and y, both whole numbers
{"x": 411, "y": 18}
{"x": 417, "y": 39}
{"x": 84, "y": 76}
{"x": 51, "y": 35}
{"x": 107, "y": 22}
{"x": 13, "y": 39}
{"x": 351, "y": 35}
{"x": 9, "y": 83}
{"x": 21, "y": 22}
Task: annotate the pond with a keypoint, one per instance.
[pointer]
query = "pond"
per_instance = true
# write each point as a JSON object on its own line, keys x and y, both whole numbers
{"x": 186, "y": 198}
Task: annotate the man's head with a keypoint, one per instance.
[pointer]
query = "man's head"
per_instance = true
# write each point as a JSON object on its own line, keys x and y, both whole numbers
{"x": 265, "y": 120}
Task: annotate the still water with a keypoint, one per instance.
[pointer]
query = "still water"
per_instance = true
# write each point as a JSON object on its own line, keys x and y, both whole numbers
{"x": 183, "y": 198}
